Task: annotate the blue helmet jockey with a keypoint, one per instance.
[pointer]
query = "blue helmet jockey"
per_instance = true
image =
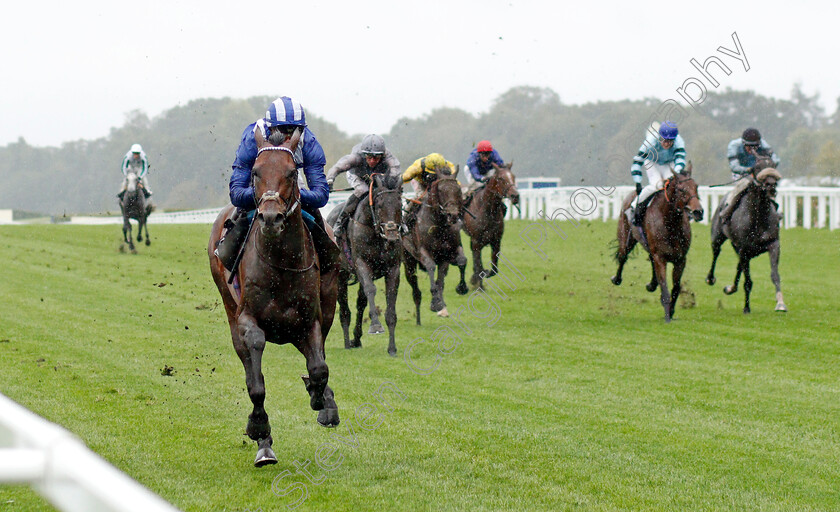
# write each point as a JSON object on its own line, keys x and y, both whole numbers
{"x": 285, "y": 111}
{"x": 668, "y": 130}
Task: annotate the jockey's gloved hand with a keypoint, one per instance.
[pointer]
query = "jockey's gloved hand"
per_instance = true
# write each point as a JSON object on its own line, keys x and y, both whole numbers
{"x": 330, "y": 185}
{"x": 638, "y": 189}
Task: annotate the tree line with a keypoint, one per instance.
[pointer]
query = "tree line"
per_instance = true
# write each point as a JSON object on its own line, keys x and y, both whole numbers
{"x": 191, "y": 147}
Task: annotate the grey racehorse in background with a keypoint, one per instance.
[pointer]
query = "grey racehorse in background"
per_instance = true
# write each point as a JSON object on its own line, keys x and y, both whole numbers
{"x": 753, "y": 229}
{"x": 134, "y": 206}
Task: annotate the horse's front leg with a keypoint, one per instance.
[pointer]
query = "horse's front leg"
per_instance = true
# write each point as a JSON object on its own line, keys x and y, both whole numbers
{"x": 344, "y": 309}
{"x": 495, "y": 248}
{"x": 747, "y": 285}
{"x": 411, "y": 276}
{"x": 478, "y": 267}
{"x": 146, "y": 228}
{"x": 660, "y": 267}
{"x": 461, "y": 262}
{"x": 443, "y": 269}
{"x": 392, "y": 286}
{"x": 676, "y": 275}
{"x": 718, "y": 238}
{"x": 361, "y": 304}
{"x": 368, "y": 285}
{"x": 322, "y": 398}
{"x": 773, "y": 250}
{"x": 729, "y": 290}
{"x": 127, "y": 236}
{"x": 252, "y": 344}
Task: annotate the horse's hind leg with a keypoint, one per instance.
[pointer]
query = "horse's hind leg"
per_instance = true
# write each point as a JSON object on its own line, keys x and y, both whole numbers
{"x": 654, "y": 282}
{"x": 774, "y": 251}
{"x": 411, "y": 277}
{"x": 747, "y": 286}
{"x": 127, "y": 236}
{"x": 249, "y": 342}
{"x": 626, "y": 242}
{"x": 495, "y": 248}
{"x": 677, "y": 273}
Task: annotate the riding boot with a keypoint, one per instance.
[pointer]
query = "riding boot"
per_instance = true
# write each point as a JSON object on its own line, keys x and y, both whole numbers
{"x": 639, "y": 216}
{"x": 121, "y": 195}
{"x": 147, "y": 193}
{"x": 236, "y": 231}
{"x": 329, "y": 255}
{"x": 347, "y": 211}
{"x": 410, "y": 216}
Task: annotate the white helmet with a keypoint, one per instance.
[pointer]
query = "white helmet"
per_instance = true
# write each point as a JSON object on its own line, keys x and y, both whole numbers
{"x": 135, "y": 148}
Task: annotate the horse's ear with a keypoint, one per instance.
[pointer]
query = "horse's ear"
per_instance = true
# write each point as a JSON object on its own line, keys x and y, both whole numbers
{"x": 510, "y": 165}
{"x": 687, "y": 171}
{"x": 293, "y": 141}
{"x": 259, "y": 138}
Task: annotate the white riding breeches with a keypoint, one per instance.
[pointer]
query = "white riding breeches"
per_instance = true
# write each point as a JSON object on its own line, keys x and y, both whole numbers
{"x": 657, "y": 174}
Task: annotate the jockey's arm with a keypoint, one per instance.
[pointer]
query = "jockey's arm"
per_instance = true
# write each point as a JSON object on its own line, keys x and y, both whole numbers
{"x": 314, "y": 161}
{"x": 343, "y": 165}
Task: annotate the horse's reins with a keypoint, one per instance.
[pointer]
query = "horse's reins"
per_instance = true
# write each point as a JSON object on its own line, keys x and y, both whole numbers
{"x": 380, "y": 228}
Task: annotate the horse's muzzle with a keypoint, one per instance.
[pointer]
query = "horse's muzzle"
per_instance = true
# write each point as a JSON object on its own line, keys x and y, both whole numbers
{"x": 697, "y": 215}
{"x": 514, "y": 199}
{"x": 390, "y": 231}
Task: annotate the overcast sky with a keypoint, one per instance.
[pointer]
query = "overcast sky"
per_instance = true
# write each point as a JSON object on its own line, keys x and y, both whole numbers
{"x": 72, "y": 70}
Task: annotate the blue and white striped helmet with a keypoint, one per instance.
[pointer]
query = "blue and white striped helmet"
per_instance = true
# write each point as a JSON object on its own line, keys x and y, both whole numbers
{"x": 285, "y": 111}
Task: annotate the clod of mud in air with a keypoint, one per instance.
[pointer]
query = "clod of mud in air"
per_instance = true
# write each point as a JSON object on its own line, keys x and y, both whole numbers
{"x": 443, "y": 313}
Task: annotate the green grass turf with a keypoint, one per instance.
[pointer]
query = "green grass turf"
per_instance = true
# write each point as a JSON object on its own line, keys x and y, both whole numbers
{"x": 570, "y": 394}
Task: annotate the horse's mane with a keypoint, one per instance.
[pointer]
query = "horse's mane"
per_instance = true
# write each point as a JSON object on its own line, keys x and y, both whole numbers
{"x": 768, "y": 172}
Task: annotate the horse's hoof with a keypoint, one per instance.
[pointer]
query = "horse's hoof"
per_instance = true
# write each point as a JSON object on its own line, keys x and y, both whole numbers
{"x": 729, "y": 290}
{"x": 133, "y": 250}
{"x": 615, "y": 280}
{"x": 328, "y": 417}
{"x": 265, "y": 456}
{"x": 781, "y": 308}
{"x": 392, "y": 351}
{"x": 710, "y": 280}
{"x": 490, "y": 274}
{"x": 462, "y": 289}
{"x": 746, "y": 310}
{"x": 436, "y": 306}
{"x": 667, "y": 319}
{"x": 443, "y": 313}
{"x": 376, "y": 329}
{"x": 651, "y": 287}
{"x": 148, "y": 242}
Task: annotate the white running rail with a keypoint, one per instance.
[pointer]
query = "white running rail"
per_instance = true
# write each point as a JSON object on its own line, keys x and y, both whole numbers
{"x": 62, "y": 469}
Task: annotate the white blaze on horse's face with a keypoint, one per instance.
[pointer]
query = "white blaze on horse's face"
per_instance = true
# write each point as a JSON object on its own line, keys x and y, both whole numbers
{"x": 131, "y": 181}
{"x": 275, "y": 186}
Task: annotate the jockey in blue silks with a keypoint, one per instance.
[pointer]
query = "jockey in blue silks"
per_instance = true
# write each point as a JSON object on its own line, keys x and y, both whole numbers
{"x": 282, "y": 118}
{"x": 660, "y": 155}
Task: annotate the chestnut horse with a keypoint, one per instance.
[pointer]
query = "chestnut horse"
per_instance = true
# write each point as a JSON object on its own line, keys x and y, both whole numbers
{"x": 376, "y": 249}
{"x": 435, "y": 241}
{"x": 665, "y": 234}
{"x": 485, "y": 224}
{"x": 285, "y": 297}
{"x": 753, "y": 229}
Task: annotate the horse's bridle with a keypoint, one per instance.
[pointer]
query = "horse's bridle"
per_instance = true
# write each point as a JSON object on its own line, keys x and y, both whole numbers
{"x": 381, "y": 227}
{"x": 441, "y": 206}
{"x": 665, "y": 191}
{"x": 272, "y": 195}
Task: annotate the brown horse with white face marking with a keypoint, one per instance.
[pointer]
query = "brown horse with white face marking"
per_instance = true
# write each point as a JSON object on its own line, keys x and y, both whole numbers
{"x": 665, "y": 234}
{"x": 285, "y": 297}
{"x": 485, "y": 222}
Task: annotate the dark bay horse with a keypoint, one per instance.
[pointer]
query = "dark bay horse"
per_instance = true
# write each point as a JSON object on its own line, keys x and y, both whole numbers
{"x": 753, "y": 229}
{"x": 666, "y": 235}
{"x": 285, "y": 297}
{"x": 435, "y": 241}
{"x": 486, "y": 225}
{"x": 374, "y": 243}
{"x": 133, "y": 205}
